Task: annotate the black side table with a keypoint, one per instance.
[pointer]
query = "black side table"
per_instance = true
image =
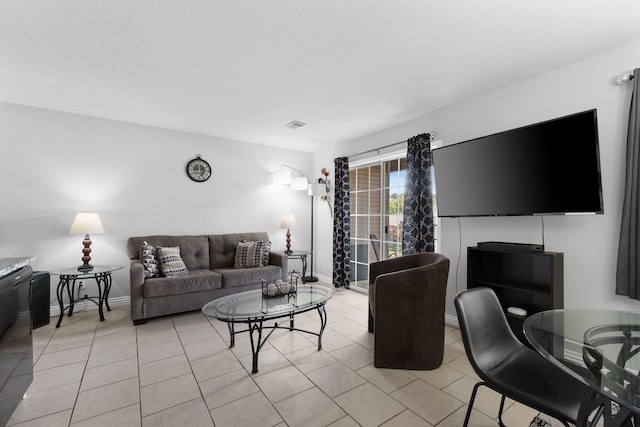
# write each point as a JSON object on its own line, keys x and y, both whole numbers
{"x": 68, "y": 277}
{"x": 302, "y": 256}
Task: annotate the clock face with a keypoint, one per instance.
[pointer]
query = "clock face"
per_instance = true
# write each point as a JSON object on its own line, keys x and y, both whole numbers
{"x": 198, "y": 170}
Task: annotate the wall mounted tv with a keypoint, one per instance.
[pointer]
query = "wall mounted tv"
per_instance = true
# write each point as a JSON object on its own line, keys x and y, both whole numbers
{"x": 551, "y": 167}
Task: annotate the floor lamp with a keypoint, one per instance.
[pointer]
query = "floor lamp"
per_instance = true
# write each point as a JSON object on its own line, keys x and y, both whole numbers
{"x": 314, "y": 191}
{"x": 300, "y": 182}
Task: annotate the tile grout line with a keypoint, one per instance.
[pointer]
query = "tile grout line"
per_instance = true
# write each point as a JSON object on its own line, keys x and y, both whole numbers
{"x": 84, "y": 372}
{"x": 282, "y": 350}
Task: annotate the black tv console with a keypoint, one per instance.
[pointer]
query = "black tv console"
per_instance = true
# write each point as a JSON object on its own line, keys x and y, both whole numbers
{"x": 512, "y": 247}
{"x": 526, "y": 280}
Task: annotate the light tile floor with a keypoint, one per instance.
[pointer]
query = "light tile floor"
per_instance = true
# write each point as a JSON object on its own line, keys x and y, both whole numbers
{"x": 178, "y": 371}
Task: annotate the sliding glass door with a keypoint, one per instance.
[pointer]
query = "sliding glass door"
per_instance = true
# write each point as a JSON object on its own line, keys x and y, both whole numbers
{"x": 377, "y": 204}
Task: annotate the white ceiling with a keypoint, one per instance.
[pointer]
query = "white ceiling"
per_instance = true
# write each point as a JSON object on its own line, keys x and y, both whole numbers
{"x": 244, "y": 69}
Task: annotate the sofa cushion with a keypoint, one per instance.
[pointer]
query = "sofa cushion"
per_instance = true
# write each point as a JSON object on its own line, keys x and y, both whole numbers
{"x": 195, "y": 281}
{"x": 249, "y": 255}
{"x": 237, "y": 277}
{"x": 171, "y": 264}
{"x": 148, "y": 259}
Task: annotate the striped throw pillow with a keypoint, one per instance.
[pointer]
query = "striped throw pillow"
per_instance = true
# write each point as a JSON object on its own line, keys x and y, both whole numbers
{"x": 249, "y": 254}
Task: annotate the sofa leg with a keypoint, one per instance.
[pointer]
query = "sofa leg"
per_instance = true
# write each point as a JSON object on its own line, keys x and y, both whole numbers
{"x": 370, "y": 321}
{"x": 140, "y": 322}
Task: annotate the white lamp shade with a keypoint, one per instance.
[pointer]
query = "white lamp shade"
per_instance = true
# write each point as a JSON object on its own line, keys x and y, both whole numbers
{"x": 288, "y": 221}
{"x": 299, "y": 183}
{"x": 87, "y": 223}
{"x": 317, "y": 190}
{"x": 281, "y": 177}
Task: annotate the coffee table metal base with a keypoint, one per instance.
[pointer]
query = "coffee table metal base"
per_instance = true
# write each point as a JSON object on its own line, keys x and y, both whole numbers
{"x": 256, "y": 326}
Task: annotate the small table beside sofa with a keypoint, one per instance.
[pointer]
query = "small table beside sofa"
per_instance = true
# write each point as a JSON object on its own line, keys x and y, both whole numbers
{"x": 209, "y": 261}
{"x": 67, "y": 285}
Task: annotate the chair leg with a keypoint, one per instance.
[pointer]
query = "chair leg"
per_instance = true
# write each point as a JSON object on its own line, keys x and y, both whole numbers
{"x": 471, "y": 400}
{"x": 500, "y": 423}
{"x": 502, "y": 400}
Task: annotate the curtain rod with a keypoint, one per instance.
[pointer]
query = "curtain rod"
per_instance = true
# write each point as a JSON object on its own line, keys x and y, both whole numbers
{"x": 432, "y": 134}
{"x": 624, "y": 78}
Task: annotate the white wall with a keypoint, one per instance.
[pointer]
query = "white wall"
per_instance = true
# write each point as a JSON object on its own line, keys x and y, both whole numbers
{"x": 588, "y": 242}
{"x": 53, "y": 165}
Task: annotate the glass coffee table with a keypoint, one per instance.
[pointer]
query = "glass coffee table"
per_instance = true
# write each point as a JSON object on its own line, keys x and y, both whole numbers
{"x": 254, "y": 309}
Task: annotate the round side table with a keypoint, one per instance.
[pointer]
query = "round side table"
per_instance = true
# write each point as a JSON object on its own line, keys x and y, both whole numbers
{"x": 67, "y": 283}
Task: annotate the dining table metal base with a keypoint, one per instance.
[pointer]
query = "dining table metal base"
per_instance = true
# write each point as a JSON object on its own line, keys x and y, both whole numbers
{"x": 596, "y": 407}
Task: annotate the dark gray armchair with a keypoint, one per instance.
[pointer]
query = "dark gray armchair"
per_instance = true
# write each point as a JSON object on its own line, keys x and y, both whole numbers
{"x": 406, "y": 310}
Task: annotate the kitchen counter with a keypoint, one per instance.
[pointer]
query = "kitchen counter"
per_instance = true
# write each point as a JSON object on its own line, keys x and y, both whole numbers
{"x": 9, "y": 265}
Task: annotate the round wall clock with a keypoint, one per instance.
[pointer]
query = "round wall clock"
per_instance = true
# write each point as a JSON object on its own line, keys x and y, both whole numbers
{"x": 198, "y": 170}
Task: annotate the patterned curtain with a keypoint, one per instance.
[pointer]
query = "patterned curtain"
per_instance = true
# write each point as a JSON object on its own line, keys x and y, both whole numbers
{"x": 418, "y": 233}
{"x": 341, "y": 225}
{"x": 628, "y": 272}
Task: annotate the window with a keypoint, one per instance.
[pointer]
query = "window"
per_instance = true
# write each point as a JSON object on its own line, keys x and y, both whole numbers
{"x": 377, "y": 205}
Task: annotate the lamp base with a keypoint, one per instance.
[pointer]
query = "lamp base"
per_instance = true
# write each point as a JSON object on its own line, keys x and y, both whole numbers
{"x": 288, "y": 251}
{"x": 310, "y": 279}
{"x": 86, "y": 258}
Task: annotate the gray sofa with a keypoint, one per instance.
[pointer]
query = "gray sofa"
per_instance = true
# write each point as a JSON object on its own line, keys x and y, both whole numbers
{"x": 210, "y": 261}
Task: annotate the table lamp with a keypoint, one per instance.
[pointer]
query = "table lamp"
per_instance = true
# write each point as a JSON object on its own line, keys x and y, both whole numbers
{"x": 86, "y": 223}
{"x": 288, "y": 221}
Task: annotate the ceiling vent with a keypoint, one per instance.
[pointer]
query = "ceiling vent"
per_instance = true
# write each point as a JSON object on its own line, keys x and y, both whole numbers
{"x": 294, "y": 124}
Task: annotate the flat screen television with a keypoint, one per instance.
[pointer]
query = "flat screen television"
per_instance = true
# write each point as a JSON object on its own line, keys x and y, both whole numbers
{"x": 552, "y": 167}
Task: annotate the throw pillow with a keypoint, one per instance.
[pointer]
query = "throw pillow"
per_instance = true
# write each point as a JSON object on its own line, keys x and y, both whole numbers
{"x": 249, "y": 254}
{"x": 148, "y": 259}
{"x": 171, "y": 263}
{"x": 267, "y": 249}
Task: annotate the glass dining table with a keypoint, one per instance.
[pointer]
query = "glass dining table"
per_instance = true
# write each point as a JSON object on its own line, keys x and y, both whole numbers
{"x": 601, "y": 348}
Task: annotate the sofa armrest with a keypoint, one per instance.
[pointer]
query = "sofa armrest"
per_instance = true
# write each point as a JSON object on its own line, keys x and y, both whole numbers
{"x": 136, "y": 282}
{"x": 282, "y": 260}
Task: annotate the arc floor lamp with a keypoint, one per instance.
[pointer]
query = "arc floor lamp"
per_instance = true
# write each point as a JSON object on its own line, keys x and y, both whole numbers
{"x": 301, "y": 182}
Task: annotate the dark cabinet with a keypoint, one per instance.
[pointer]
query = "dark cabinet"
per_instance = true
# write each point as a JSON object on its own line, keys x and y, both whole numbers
{"x": 526, "y": 280}
{"x": 39, "y": 299}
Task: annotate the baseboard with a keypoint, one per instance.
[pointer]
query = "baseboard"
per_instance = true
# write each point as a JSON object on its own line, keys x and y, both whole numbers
{"x": 54, "y": 310}
{"x": 452, "y": 320}
{"x": 325, "y": 279}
